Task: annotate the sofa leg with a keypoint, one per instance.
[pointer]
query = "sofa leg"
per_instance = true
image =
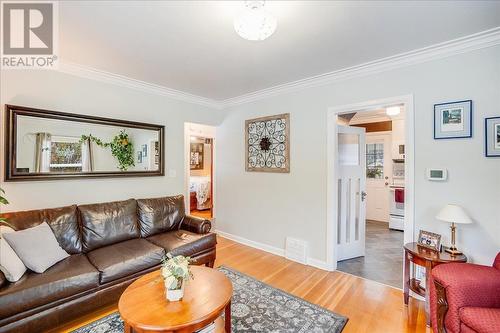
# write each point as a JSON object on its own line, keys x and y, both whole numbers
{"x": 442, "y": 306}
{"x": 210, "y": 264}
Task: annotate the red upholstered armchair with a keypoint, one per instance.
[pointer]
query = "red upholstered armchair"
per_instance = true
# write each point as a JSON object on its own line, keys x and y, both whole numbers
{"x": 465, "y": 298}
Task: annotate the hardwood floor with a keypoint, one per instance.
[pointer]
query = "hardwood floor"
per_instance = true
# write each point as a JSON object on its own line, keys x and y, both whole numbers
{"x": 371, "y": 306}
{"x": 206, "y": 214}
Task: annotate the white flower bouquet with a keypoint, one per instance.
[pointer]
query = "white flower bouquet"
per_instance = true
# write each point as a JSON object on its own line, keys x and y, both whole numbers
{"x": 175, "y": 272}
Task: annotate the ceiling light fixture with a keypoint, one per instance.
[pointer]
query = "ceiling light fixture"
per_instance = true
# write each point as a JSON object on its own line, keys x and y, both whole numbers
{"x": 393, "y": 110}
{"x": 255, "y": 23}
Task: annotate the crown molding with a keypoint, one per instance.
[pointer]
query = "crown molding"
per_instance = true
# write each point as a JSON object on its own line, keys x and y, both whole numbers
{"x": 453, "y": 47}
{"x": 123, "y": 81}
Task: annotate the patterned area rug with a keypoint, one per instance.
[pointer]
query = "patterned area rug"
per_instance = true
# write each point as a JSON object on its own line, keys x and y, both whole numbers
{"x": 256, "y": 307}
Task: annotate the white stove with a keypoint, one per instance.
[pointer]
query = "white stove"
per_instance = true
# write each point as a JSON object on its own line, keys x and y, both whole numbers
{"x": 397, "y": 209}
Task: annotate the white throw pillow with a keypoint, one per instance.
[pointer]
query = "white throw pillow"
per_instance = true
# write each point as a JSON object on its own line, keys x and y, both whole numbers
{"x": 10, "y": 264}
{"x": 37, "y": 247}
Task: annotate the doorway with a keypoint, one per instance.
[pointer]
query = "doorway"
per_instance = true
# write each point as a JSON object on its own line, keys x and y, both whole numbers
{"x": 200, "y": 170}
{"x": 370, "y": 168}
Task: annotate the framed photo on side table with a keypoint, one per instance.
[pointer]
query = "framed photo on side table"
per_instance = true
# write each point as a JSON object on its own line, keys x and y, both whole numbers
{"x": 492, "y": 136}
{"x": 429, "y": 240}
{"x": 453, "y": 120}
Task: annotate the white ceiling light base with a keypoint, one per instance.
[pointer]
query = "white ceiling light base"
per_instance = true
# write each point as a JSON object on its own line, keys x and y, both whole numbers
{"x": 255, "y": 23}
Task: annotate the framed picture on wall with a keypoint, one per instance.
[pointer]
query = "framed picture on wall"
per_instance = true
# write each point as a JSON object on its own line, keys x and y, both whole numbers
{"x": 453, "y": 120}
{"x": 196, "y": 156}
{"x": 492, "y": 136}
{"x": 267, "y": 144}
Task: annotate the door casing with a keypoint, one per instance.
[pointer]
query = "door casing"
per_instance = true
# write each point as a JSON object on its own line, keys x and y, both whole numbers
{"x": 332, "y": 168}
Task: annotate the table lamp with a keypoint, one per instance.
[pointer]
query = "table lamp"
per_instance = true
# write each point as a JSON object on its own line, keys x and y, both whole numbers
{"x": 453, "y": 214}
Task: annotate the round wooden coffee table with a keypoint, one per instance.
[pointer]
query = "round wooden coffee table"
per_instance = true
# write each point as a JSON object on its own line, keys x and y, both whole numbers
{"x": 144, "y": 308}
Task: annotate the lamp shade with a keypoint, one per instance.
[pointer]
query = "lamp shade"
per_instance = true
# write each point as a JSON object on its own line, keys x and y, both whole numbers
{"x": 454, "y": 214}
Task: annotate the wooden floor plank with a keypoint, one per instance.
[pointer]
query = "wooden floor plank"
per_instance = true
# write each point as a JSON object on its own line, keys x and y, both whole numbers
{"x": 371, "y": 306}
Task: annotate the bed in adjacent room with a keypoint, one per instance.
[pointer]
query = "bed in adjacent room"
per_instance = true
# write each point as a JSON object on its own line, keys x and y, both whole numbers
{"x": 199, "y": 187}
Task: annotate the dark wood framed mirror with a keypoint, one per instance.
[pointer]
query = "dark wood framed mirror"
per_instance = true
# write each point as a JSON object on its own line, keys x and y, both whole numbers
{"x": 46, "y": 145}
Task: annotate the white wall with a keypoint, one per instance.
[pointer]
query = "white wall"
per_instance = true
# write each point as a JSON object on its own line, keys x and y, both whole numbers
{"x": 265, "y": 207}
{"x": 52, "y": 90}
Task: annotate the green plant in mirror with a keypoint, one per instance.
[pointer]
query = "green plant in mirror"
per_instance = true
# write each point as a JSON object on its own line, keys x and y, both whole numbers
{"x": 121, "y": 147}
{"x": 4, "y": 201}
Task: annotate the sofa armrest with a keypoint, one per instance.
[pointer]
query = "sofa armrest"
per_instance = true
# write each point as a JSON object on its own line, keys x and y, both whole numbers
{"x": 462, "y": 285}
{"x": 196, "y": 224}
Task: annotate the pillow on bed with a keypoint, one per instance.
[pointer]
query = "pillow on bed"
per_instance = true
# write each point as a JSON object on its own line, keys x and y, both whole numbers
{"x": 37, "y": 247}
{"x": 10, "y": 264}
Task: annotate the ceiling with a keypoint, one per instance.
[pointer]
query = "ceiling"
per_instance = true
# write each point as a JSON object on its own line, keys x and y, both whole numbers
{"x": 369, "y": 116}
{"x": 191, "y": 46}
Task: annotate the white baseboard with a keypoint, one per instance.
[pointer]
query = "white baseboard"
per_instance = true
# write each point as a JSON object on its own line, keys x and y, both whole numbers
{"x": 319, "y": 264}
{"x": 271, "y": 249}
{"x": 268, "y": 248}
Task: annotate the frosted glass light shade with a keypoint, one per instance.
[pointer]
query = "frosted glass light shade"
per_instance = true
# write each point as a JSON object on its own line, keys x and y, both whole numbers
{"x": 255, "y": 23}
{"x": 454, "y": 214}
{"x": 393, "y": 110}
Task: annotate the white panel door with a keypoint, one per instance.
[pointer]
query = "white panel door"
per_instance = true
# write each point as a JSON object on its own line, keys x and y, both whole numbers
{"x": 378, "y": 175}
{"x": 351, "y": 192}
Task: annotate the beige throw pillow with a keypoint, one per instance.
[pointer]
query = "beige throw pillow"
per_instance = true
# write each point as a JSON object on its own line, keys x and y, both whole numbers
{"x": 37, "y": 247}
{"x": 10, "y": 264}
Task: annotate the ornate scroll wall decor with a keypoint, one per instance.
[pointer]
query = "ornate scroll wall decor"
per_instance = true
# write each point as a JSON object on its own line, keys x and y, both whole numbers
{"x": 267, "y": 143}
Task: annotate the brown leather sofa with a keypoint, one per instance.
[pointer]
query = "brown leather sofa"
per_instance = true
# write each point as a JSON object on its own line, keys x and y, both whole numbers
{"x": 111, "y": 244}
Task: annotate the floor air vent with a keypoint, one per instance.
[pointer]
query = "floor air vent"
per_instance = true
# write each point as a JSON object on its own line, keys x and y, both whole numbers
{"x": 296, "y": 250}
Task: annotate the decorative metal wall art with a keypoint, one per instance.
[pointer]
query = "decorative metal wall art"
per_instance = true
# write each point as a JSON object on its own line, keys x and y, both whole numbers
{"x": 267, "y": 142}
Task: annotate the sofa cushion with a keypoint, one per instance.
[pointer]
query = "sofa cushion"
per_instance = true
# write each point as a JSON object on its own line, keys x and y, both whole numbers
{"x": 37, "y": 247}
{"x": 484, "y": 320}
{"x": 108, "y": 223}
{"x": 160, "y": 214}
{"x": 71, "y": 276}
{"x": 125, "y": 258}
{"x": 183, "y": 242}
{"x": 63, "y": 222}
{"x": 10, "y": 265}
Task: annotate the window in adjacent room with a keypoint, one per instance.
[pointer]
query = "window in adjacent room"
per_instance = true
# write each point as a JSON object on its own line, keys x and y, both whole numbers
{"x": 375, "y": 160}
{"x": 65, "y": 154}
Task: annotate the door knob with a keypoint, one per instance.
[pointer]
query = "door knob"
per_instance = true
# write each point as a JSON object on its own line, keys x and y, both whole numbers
{"x": 363, "y": 195}
{"x": 386, "y": 183}
{"x": 386, "y": 177}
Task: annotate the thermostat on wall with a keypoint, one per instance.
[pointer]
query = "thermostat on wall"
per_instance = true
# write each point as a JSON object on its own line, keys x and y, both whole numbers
{"x": 437, "y": 174}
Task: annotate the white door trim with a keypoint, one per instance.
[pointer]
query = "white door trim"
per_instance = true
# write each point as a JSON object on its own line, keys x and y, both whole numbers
{"x": 205, "y": 131}
{"x": 332, "y": 168}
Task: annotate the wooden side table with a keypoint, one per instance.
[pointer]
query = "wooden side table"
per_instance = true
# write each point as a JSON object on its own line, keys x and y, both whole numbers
{"x": 429, "y": 259}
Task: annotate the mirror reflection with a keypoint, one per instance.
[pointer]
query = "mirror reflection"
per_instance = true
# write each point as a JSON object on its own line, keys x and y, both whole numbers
{"x": 52, "y": 145}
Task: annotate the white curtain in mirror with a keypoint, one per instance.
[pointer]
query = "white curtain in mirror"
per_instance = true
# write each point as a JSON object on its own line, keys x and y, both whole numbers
{"x": 42, "y": 151}
{"x": 87, "y": 160}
